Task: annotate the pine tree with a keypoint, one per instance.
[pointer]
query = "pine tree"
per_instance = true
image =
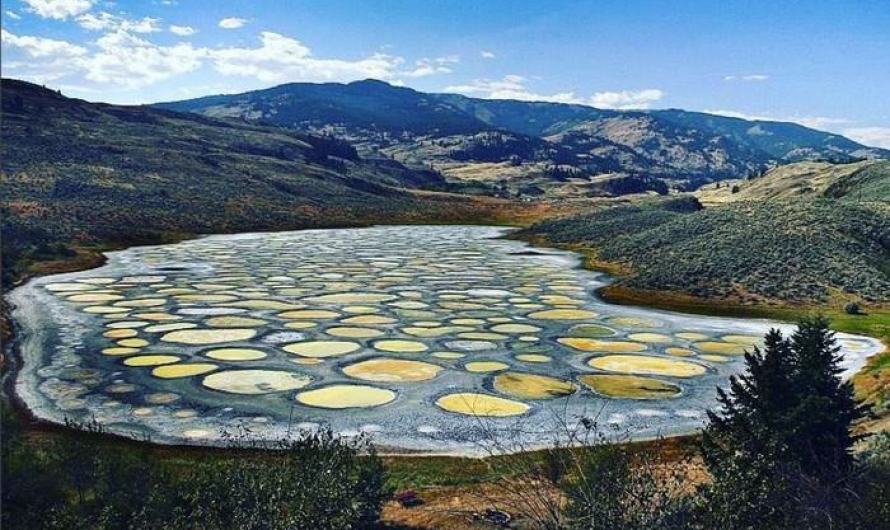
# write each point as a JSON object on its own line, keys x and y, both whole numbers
{"x": 744, "y": 441}
{"x": 754, "y": 410}
{"x": 825, "y": 408}
{"x": 779, "y": 447}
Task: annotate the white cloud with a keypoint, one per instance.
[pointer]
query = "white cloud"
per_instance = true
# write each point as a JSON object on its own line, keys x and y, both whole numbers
{"x": 626, "y": 99}
{"x": 232, "y": 22}
{"x": 107, "y": 22}
{"x": 749, "y": 77}
{"x": 487, "y": 54}
{"x": 13, "y": 15}
{"x": 130, "y": 61}
{"x": 280, "y": 58}
{"x": 124, "y": 58}
{"x": 818, "y": 122}
{"x": 39, "y": 47}
{"x": 182, "y": 31}
{"x": 823, "y": 123}
{"x": 119, "y": 57}
{"x": 510, "y": 87}
{"x": 738, "y": 114}
{"x": 58, "y": 9}
{"x": 49, "y": 59}
{"x": 514, "y": 87}
{"x": 871, "y": 136}
{"x": 426, "y": 66}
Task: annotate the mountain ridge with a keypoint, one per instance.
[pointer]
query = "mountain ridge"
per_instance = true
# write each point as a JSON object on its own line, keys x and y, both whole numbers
{"x": 545, "y": 144}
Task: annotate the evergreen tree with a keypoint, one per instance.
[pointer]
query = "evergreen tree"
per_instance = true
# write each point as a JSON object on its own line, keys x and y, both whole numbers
{"x": 753, "y": 412}
{"x": 779, "y": 447}
{"x": 745, "y": 441}
{"x": 825, "y": 406}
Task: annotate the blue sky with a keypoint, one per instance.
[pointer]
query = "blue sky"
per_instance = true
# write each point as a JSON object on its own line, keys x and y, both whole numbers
{"x": 822, "y": 63}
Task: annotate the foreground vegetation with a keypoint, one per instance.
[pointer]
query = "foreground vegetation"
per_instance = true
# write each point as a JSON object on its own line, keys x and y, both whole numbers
{"x": 777, "y": 454}
{"x": 315, "y": 480}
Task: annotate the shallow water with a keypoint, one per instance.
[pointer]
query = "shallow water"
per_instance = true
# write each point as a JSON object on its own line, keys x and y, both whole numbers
{"x": 280, "y": 332}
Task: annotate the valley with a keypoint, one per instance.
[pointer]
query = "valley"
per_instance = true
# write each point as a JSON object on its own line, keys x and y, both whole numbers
{"x": 802, "y": 236}
{"x": 689, "y": 214}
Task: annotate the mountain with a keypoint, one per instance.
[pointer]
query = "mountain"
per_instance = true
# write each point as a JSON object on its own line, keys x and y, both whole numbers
{"x": 520, "y": 147}
{"x": 782, "y": 140}
{"x": 77, "y": 173}
{"x": 363, "y": 105}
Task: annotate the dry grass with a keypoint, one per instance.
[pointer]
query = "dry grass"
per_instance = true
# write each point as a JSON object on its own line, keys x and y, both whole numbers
{"x": 507, "y": 487}
{"x": 787, "y": 182}
{"x": 452, "y": 507}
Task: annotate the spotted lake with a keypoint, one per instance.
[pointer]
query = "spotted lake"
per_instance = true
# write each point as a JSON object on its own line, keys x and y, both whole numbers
{"x": 428, "y": 338}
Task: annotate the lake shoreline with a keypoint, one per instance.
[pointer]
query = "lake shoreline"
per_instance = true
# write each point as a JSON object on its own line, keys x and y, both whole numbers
{"x": 14, "y": 346}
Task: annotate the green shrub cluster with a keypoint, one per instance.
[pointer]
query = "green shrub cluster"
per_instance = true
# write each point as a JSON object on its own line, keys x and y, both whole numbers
{"x": 79, "y": 480}
{"x": 788, "y": 250}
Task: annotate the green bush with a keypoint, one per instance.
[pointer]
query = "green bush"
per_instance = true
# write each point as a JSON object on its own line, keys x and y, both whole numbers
{"x": 315, "y": 481}
{"x": 79, "y": 480}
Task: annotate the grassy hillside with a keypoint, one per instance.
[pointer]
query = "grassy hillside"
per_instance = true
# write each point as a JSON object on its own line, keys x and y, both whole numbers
{"x": 862, "y": 182}
{"x": 869, "y": 184}
{"x": 802, "y": 251}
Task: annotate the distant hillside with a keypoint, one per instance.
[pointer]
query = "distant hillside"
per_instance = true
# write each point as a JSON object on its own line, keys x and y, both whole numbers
{"x": 780, "y": 244}
{"x": 78, "y": 173}
{"x": 540, "y": 141}
{"x": 867, "y": 181}
{"x": 782, "y": 141}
